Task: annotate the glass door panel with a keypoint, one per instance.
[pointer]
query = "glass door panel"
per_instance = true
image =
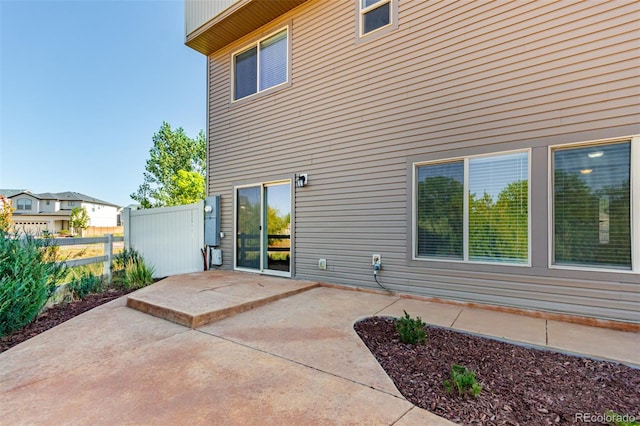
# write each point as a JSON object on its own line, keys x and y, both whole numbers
{"x": 277, "y": 232}
{"x": 248, "y": 227}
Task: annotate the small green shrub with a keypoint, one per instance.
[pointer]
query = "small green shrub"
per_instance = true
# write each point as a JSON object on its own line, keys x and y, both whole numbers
{"x": 137, "y": 274}
{"x": 464, "y": 380}
{"x": 411, "y": 330}
{"x": 28, "y": 275}
{"x": 615, "y": 419}
{"x": 84, "y": 285}
{"x": 121, "y": 260}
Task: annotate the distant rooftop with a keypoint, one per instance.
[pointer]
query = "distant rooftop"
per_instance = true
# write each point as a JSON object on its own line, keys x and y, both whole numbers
{"x": 60, "y": 196}
{"x": 11, "y": 192}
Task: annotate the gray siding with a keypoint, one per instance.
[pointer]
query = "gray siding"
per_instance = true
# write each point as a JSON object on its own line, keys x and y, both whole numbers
{"x": 455, "y": 78}
{"x": 198, "y": 12}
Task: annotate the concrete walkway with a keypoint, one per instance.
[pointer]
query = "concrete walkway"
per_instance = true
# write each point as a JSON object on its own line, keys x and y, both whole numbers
{"x": 288, "y": 355}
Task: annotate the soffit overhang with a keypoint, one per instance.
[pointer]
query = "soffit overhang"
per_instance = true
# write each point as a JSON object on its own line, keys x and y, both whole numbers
{"x": 236, "y": 21}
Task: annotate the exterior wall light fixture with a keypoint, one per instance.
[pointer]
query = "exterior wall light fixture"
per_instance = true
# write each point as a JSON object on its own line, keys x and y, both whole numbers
{"x": 302, "y": 180}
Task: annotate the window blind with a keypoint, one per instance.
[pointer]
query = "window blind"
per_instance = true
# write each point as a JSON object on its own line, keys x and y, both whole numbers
{"x": 245, "y": 78}
{"x": 498, "y": 208}
{"x": 273, "y": 61}
{"x": 440, "y": 210}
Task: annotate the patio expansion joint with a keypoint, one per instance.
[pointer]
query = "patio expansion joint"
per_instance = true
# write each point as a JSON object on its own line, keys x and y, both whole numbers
{"x": 302, "y": 364}
{"x": 456, "y": 318}
{"x": 403, "y": 415}
{"x": 389, "y": 305}
{"x": 546, "y": 332}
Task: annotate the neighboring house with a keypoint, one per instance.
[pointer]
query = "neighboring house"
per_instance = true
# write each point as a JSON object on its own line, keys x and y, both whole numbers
{"x": 488, "y": 151}
{"x": 37, "y": 213}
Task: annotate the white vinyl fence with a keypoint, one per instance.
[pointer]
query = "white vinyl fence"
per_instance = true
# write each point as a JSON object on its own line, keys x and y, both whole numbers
{"x": 168, "y": 238}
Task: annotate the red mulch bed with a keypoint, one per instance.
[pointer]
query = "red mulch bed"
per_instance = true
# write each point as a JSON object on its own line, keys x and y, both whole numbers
{"x": 521, "y": 385}
{"x": 58, "y": 314}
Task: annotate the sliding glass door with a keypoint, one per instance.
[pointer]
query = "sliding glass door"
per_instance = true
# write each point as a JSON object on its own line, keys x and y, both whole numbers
{"x": 263, "y": 228}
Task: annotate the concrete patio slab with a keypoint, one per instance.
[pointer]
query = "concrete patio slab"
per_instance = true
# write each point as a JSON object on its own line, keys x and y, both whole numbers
{"x": 197, "y": 299}
{"x": 87, "y": 339}
{"x": 598, "y": 342}
{"x": 439, "y": 314}
{"x": 314, "y": 328}
{"x": 418, "y": 416}
{"x": 296, "y": 360}
{"x": 502, "y": 325}
{"x": 194, "y": 378}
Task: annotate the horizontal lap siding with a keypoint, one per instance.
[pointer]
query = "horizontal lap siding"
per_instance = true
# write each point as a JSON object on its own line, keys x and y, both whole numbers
{"x": 463, "y": 77}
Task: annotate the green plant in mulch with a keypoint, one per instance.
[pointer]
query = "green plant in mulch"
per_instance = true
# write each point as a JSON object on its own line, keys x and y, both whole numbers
{"x": 87, "y": 283}
{"x": 464, "y": 380}
{"x": 28, "y": 276}
{"x": 121, "y": 259}
{"x": 410, "y": 330}
{"x": 615, "y": 419}
{"x": 137, "y": 274}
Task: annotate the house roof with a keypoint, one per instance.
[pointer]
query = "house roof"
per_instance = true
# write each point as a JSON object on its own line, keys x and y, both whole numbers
{"x": 11, "y": 192}
{"x": 61, "y": 196}
{"x": 76, "y": 196}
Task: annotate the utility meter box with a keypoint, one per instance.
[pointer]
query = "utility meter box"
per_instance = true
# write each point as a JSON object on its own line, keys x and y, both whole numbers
{"x": 212, "y": 221}
{"x": 216, "y": 257}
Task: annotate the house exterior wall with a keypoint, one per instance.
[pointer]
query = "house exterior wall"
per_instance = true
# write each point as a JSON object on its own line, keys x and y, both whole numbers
{"x": 101, "y": 215}
{"x": 48, "y": 206}
{"x": 37, "y": 224}
{"x": 35, "y": 204}
{"x": 198, "y": 12}
{"x": 453, "y": 79}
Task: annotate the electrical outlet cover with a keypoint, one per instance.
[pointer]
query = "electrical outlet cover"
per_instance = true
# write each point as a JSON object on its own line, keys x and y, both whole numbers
{"x": 322, "y": 263}
{"x": 376, "y": 258}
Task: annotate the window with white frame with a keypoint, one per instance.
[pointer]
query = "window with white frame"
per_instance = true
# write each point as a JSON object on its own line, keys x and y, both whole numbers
{"x": 24, "y": 204}
{"x": 473, "y": 209}
{"x": 592, "y": 189}
{"x": 374, "y": 14}
{"x": 263, "y": 65}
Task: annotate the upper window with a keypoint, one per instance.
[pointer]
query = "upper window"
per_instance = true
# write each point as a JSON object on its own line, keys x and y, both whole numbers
{"x": 374, "y": 14}
{"x": 591, "y": 205}
{"x": 474, "y": 209}
{"x": 24, "y": 204}
{"x": 262, "y": 66}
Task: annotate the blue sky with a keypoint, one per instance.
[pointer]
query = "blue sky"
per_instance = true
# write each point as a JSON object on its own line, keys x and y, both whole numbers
{"x": 85, "y": 84}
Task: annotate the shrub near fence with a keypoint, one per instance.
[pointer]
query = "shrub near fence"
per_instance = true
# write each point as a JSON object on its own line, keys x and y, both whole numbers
{"x": 28, "y": 275}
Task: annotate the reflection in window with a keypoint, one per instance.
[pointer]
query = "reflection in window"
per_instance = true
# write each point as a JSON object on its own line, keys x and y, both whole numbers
{"x": 262, "y": 66}
{"x": 591, "y": 205}
{"x": 24, "y": 204}
{"x": 374, "y": 14}
{"x": 496, "y": 208}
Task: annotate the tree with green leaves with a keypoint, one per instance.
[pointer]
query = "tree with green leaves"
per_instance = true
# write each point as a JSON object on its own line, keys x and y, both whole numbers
{"x": 175, "y": 171}
{"x": 6, "y": 210}
{"x": 79, "y": 219}
{"x": 187, "y": 188}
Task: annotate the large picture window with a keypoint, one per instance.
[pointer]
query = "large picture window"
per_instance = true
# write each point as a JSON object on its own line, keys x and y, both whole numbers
{"x": 592, "y": 205}
{"x": 262, "y": 66}
{"x": 474, "y": 209}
